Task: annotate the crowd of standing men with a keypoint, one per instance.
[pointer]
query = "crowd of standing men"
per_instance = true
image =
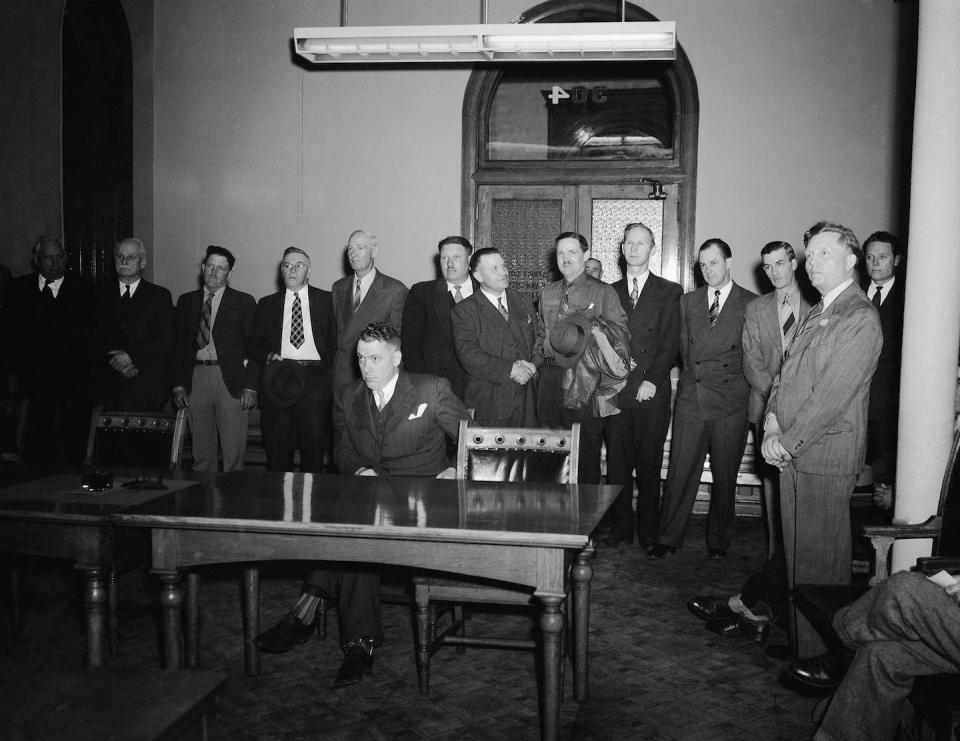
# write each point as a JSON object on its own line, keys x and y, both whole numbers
{"x": 334, "y": 372}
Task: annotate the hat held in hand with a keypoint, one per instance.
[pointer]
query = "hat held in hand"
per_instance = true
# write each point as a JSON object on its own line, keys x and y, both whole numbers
{"x": 569, "y": 338}
{"x": 283, "y": 383}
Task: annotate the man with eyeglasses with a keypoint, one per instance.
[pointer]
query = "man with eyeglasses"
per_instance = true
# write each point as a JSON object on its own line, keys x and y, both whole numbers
{"x": 293, "y": 339}
{"x": 133, "y": 342}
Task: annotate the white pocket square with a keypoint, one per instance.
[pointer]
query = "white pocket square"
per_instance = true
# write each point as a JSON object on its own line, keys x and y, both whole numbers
{"x": 420, "y": 410}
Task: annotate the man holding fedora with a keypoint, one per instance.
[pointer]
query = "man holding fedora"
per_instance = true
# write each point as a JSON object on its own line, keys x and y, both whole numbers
{"x": 575, "y": 293}
{"x": 294, "y": 339}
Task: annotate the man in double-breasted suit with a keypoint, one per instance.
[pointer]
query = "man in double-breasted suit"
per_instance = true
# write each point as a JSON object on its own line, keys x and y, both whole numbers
{"x": 495, "y": 331}
{"x": 47, "y": 321}
{"x": 392, "y": 423}
{"x": 816, "y": 420}
{"x": 295, "y": 325}
{"x": 367, "y": 296}
{"x": 133, "y": 342}
{"x": 637, "y": 434}
{"x": 883, "y": 254}
{"x": 711, "y": 407}
{"x": 213, "y": 378}
{"x": 427, "y": 329}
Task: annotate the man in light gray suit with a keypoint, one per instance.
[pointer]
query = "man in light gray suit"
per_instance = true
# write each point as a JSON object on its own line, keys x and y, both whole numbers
{"x": 365, "y": 297}
{"x": 816, "y": 420}
{"x": 494, "y": 331}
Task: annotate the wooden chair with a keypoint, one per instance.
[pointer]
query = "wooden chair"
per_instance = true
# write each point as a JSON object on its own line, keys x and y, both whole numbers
{"x": 934, "y": 718}
{"x": 489, "y": 454}
{"x": 152, "y": 441}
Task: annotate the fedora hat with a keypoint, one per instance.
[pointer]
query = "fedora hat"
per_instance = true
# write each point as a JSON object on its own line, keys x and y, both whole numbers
{"x": 283, "y": 383}
{"x": 569, "y": 338}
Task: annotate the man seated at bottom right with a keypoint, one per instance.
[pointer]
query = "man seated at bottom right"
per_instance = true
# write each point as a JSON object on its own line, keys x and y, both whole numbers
{"x": 906, "y": 627}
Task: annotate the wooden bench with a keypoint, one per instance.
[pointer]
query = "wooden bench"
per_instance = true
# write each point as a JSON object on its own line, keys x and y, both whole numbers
{"x": 106, "y": 704}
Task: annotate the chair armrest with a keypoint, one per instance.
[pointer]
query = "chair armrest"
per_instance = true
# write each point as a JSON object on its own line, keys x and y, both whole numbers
{"x": 882, "y": 537}
{"x": 929, "y": 565}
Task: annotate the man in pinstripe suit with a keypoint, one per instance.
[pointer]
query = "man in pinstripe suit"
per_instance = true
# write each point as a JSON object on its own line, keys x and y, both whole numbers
{"x": 816, "y": 420}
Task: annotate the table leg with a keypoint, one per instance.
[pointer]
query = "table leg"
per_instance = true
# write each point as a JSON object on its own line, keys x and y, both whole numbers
{"x": 192, "y": 625}
{"x": 424, "y": 635}
{"x": 251, "y": 620}
{"x": 171, "y": 602}
{"x": 551, "y": 627}
{"x": 582, "y": 573}
{"x": 113, "y": 607}
{"x": 94, "y": 601}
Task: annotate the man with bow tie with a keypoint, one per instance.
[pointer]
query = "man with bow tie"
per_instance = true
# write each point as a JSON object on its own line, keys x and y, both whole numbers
{"x": 390, "y": 423}
{"x": 215, "y": 383}
{"x": 815, "y": 425}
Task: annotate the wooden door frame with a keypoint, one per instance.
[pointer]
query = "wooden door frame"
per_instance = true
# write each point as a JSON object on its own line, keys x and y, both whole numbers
{"x": 680, "y": 172}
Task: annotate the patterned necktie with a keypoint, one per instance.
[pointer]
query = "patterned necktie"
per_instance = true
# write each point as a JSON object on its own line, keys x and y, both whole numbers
{"x": 565, "y": 300}
{"x": 296, "y": 322}
{"x": 503, "y": 309}
{"x": 715, "y": 308}
{"x": 635, "y": 294}
{"x": 356, "y": 296}
{"x": 786, "y": 314}
{"x": 206, "y": 321}
{"x": 876, "y": 297}
{"x": 457, "y": 296}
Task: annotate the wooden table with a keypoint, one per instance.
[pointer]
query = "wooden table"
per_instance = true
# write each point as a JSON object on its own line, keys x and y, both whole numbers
{"x": 54, "y": 517}
{"x": 527, "y": 534}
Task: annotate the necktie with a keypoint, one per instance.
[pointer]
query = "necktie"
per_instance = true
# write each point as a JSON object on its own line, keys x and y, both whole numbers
{"x": 296, "y": 322}
{"x": 503, "y": 309}
{"x": 48, "y": 290}
{"x": 786, "y": 314}
{"x": 876, "y": 297}
{"x": 635, "y": 294}
{"x": 378, "y": 396}
{"x": 565, "y": 301}
{"x": 356, "y": 296}
{"x": 715, "y": 308}
{"x": 125, "y": 301}
{"x": 126, "y": 297}
{"x": 206, "y": 322}
{"x": 457, "y": 296}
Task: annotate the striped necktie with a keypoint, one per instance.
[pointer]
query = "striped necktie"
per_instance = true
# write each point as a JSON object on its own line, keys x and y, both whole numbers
{"x": 296, "y": 322}
{"x": 786, "y": 314}
{"x": 356, "y": 296}
{"x": 635, "y": 293}
{"x": 715, "y": 308}
{"x": 206, "y": 322}
{"x": 503, "y": 308}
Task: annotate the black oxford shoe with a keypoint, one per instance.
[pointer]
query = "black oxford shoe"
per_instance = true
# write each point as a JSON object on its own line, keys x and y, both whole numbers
{"x": 711, "y": 608}
{"x": 819, "y": 672}
{"x": 741, "y": 627}
{"x": 285, "y": 635}
{"x": 357, "y": 663}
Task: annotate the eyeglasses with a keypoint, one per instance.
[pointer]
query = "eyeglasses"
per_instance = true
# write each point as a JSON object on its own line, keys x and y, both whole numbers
{"x": 125, "y": 258}
{"x": 293, "y": 267}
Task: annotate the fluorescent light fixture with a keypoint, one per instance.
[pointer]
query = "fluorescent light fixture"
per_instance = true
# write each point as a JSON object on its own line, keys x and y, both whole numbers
{"x": 509, "y": 42}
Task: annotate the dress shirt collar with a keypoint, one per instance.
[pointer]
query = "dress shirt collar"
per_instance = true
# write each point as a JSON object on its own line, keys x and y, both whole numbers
{"x": 830, "y": 297}
{"x": 133, "y": 287}
{"x": 792, "y": 295}
{"x": 724, "y": 293}
{"x": 886, "y": 289}
{"x": 54, "y": 284}
{"x": 641, "y": 281}
{"x": 493, "y": 299}
{"x": 466, "y": 288}
{"x": 365, "y": 282}
{"x": 301, "y": 292}
{"x": 389, "y": 388}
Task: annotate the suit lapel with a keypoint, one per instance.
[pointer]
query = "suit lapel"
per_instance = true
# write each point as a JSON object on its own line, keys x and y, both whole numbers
{"x": 362, "y": 411}
{"x": 400, "y": 403}
{"x": 442, "y": 306}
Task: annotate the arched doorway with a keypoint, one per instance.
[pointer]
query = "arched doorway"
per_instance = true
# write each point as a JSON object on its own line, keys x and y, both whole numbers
{"x": 550, "y": 147}
{"x": 97, "y": 91}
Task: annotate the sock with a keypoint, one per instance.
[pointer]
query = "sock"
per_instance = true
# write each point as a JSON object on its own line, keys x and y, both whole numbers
{"x": 736, "y": 604}
{"x": 306, "y": 608}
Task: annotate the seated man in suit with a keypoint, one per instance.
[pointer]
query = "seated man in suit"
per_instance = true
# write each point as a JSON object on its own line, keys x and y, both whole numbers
{"x": 293, "y": 330}
{"x": 883, "y": 254}
{"x": 391, "y": 423}
{"x": 358, "y": 300}
{"x": 48, "y": 319}
{"x": 905, "y": 627}
{"x": 427, "y": 329}
{"x": 133, "y": 342}
{"x": 215, "y": 383}
{"x": 494, "y": 331}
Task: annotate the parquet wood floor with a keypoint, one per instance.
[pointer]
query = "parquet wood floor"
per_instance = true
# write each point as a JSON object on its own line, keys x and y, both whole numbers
{"x": 656, "y": 673}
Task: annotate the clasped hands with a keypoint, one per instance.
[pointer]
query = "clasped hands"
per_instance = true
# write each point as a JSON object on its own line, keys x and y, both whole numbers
{"x": 122, "y": 363}
{"x": 773, "y": 451}
{"x": 522, "y": 371}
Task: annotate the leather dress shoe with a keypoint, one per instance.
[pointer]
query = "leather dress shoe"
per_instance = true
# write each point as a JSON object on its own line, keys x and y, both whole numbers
{"x": 357, "y": 663}
{"x": 661, "y": 551}
{"x": 740, "y": 626}
{"x": 285, "y": 635}
{"x": 711, "y": 608}
{"x": 819, "y": 672}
